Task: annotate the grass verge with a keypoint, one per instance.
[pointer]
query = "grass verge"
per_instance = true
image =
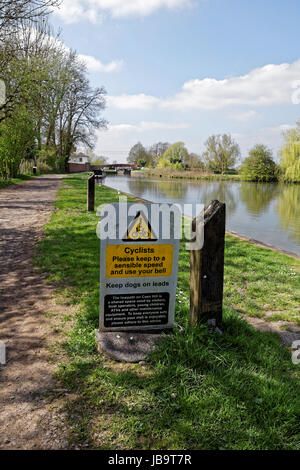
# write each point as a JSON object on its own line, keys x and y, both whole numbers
{"x": 199, "y": 390}
{"x": 19, "y": 179}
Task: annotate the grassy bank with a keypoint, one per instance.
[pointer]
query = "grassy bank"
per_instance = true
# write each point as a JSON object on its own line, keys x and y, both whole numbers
{"x": 19, "y": 179}
{"x": 199, "y": 390}
{"x": 192, "y": 175}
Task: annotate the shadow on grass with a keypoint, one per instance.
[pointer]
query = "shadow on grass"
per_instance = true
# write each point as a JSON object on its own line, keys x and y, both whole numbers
{"x": 199, "y": 390}
{"x": 238, "y": 391}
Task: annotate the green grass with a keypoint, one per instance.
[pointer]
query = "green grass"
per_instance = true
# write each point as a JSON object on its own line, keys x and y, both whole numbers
{"x": 199, "y": 390}
{"x": 19, "y": 179}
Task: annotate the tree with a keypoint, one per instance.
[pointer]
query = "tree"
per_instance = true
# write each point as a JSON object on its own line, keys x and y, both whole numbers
{"x": 259, "y": 166}
{"x": 157, "y": 150}
{"x": 17, "y": 142}
{"x": 79, "y": 111}
{"x": 221, "y": 153}
{"x": 290, "y": 155}
{"x": 72, "y": 111}
{"x": 174, "y": 157}
{"x": 13, "y": 12}
{"x": 99, "y": 161}
{"x": 139, "y": 156}
{"x": 27, "y": 61}
{"x": 95, "y": 159}
{"x": 194, "y": 161}
{"x": 50, "y": 83}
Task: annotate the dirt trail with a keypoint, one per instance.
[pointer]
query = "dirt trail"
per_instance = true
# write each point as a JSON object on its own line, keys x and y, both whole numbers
{"x": 27, "y": 420}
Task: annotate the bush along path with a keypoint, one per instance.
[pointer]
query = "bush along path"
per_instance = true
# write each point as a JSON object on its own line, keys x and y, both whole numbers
{"x": 198, "y": 390}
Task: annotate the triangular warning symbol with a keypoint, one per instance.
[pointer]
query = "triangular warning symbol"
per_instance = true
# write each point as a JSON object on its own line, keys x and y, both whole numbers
{"x": 140, "y": 230}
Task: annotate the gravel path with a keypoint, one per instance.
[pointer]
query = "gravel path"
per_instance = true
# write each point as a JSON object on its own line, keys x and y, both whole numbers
{"x": 27, "y": 420}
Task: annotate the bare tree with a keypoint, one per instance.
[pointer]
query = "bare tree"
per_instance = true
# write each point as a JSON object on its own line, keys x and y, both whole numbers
{"x": 221, "y": 153}
{"x": 14, "y": 11}
{"x": 78, "y": 111}
{"x": 157, "y": 150}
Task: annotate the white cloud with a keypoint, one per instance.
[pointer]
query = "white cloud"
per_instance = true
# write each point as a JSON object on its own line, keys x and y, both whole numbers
{"x": 265, "y": 86}
{"x": 72, "y": 11}
{"x": 140, "y": 101}
{"x": 95, "y": 65}
{"x": 146, "y": 126}
{"x": 245, "y": 116}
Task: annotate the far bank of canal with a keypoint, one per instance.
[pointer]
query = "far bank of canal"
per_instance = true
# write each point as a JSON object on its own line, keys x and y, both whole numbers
{"x": 269, "y": 213}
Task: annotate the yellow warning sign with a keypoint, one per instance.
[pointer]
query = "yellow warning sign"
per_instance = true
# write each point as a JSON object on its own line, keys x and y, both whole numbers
{"x": 124, "y": 261}
{"x": 140, "y": 229}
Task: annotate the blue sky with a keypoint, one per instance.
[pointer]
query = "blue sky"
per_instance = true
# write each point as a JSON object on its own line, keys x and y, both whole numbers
{"x": 182, "y": 70}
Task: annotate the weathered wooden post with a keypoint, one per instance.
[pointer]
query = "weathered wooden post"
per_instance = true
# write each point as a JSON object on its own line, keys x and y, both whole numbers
{"x": 207, "y": 268}
{"x": 91, "y": 194}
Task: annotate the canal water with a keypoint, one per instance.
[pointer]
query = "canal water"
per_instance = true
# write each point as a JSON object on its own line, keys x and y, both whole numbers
{"x": 269, "y": 213}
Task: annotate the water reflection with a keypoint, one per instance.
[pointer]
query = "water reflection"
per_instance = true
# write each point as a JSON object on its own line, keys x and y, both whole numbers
{"x": 171, "y": 189}
{"x": 267, "y": 212}
{"x": 288, "y": 209}
{"x": 258, "y": 196}
{"x": 220, "y": 190}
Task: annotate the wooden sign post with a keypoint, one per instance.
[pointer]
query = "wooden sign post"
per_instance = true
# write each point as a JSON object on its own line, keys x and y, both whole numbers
{"x": 207, "y": 269}
{"x": 91, "y": 194}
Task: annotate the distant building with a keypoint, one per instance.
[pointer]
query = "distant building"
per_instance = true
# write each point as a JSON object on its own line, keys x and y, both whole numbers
{"x": 78, "y": 162}
{"x": 79, "y": 158}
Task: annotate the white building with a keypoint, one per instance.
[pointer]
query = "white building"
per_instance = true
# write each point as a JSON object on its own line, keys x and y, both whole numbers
{"x": 78, "y": 158}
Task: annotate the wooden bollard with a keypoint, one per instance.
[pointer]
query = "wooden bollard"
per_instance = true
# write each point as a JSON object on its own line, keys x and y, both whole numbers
{"x": 207, "y": 269}
{"x": 91, "y": 194}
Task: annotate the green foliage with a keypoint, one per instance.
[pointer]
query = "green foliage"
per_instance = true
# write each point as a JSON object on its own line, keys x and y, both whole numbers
{"x": 50, "y": 161}
{"x": 17, "y": 138}
{"x": 176, "y": 155}
{"x": 99, "y": 161}
{"x": 165, "y": 163}
{"x": 260, "y": 166}
{"x": 194, "y": 162}
{"x": 290, "y": 156}
{"x": 221, "y": 153}
{"x": 163, "y": 155}
{"x": 157, "y": 150}
{"x": 50, "y": 85}
{"x": 139, "y": 156}
{"x": 288, "y": 209}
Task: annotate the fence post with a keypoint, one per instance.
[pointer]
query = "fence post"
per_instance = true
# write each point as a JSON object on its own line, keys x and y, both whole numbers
{"x": 207, "y": 269}
{"x": 91, "y": 194}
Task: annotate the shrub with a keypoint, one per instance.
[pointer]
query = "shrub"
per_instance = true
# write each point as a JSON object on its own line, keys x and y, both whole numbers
{"x": 260, "y": 166}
